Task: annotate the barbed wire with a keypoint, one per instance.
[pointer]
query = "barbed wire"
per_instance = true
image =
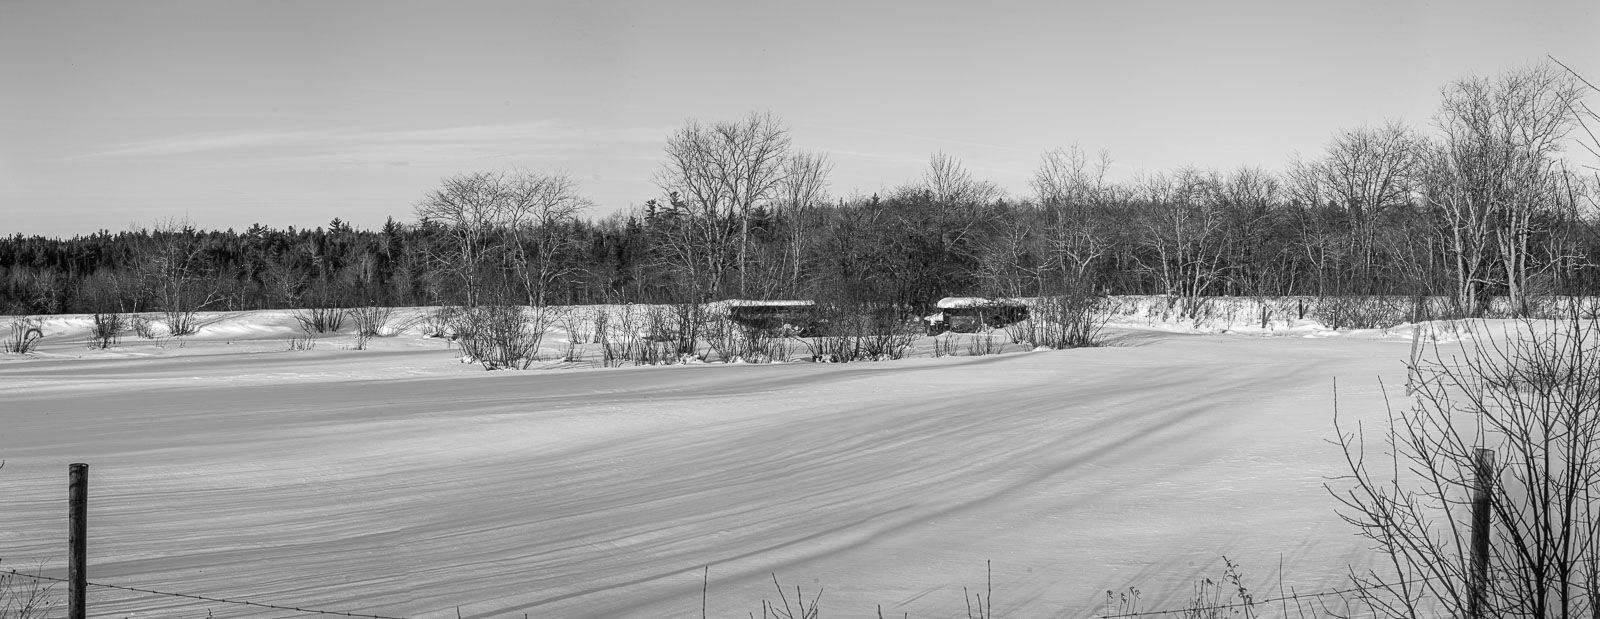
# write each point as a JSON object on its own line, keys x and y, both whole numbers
{"x": 1148, "y": 613}
{"x": 1296, "y": 596}
{"x": 201, "y": 597}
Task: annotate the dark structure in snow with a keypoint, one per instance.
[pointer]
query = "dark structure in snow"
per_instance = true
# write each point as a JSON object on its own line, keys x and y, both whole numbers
{"x": 969, "y": 314}
{"x": 773, "y": 316}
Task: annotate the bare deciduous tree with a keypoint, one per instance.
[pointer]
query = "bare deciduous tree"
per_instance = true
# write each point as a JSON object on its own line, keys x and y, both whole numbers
{"x": 1495, "y": 173}
{"x": 1180, "y": 231}
{"x": 1368, "y": 172}
{"x": 539, "y": 213}
{"x": 1009, "y": 258}
{"x": 718, "y": 173}
{"x": 1247, "y": 198}
{"x": 177, "y": 274}
{"x": 468, "y": 210}
{"x": 1073, "y": 191}
{"x": 1068, "y": 176}
{"x": 951, "y": 184}
{"x": 803, "y": 186}
{"x": 1365, "y": 170}
{"x": 511, "y": 219}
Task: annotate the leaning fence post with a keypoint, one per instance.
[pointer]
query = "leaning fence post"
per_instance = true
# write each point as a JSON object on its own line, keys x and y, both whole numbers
{"x": 77, "y": 540}
{"x": 1483, "y": 484}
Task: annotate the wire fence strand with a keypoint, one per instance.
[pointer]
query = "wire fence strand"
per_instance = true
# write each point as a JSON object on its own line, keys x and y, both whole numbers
{"x": 1293, "y": 596}
{"x": 204, "y": 598}
{"x": 1148, "y": 613}
{"x": 1297, "y": 596}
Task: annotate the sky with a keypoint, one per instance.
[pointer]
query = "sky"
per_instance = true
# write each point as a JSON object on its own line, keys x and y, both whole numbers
{"x": 116, "y": 115}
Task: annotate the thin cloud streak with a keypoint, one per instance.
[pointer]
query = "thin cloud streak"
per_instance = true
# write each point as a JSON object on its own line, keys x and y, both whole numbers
{"x": 206, "y": 142}
{"x": 369, "y": 147}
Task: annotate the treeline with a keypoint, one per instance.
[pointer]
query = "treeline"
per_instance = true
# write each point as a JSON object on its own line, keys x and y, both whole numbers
{"x": 1488, "y": 202}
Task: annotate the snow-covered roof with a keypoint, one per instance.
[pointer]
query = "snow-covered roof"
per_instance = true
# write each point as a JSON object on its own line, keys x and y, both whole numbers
{"x": 960, "y": 302}
{"x": 752, "y": 303}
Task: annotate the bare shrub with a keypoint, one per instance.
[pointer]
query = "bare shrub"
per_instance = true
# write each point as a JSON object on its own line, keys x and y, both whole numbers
{"x": 1197, "y": 309}
{"x": 887, "y": 336}
{"x": 777, "y": 349}
{"x": 759, "y": 341}
{"x": 107, "y": 330}
{"x": 628, "y": 338}
{"x": 734, "y": 342}
{"x": 831, "y": 348}
{"x": 496, "y": 337}
{"x": 25, "y": 598}
{"x": 862, "y": 332}
{"x": 620, "y": 338}
{"x": 985, "y": 343}
{"x": 1539, "y": 306}
{"x": 691, "y": 319}
{"x": 1527, "y": 401}
{"x": 439, "y": 321}
{"x": 1018, "y": 333}
{"x": 181, "y": 322}
{"x": 503, "y": 336}
{"x": 143, "y": 326}
{"x": 1070, "y": 320}
{"x": 305, "y": 342}
{"x": 25, "y": 335}
{"x": 725, "y": 338}
{"x": 657, "y": 352}
{"x": 946, "y": 344}
{"x": 320, "y": 319}
{"x": 802, "y": 609}
{"x": 1423, "y": 309}
{"x": 580, "y": 329}
{"x": 652, "y": 334}
{"x": 371, "y": 321}
{"x": 1363, "y": 312}
{"x": 676, "y": 330}
{"x": 1221, "y": 598}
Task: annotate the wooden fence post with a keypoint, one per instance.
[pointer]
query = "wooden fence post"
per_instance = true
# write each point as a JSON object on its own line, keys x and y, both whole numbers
{"x": 77, "y": 540}
{"x": 1482, "y": 495}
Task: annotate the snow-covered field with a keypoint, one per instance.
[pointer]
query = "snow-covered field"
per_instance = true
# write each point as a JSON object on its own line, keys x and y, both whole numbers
{"x": 398, "y": 481}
